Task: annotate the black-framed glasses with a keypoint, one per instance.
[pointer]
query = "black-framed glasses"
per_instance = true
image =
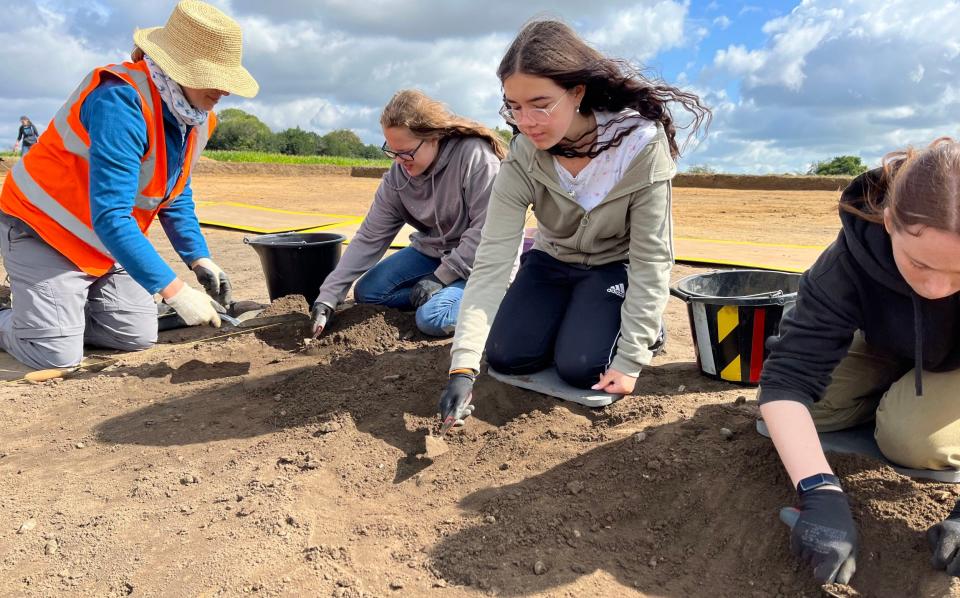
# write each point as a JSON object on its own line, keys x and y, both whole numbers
{"x": 537, "y": 115}
{"x": 405, "y": 156}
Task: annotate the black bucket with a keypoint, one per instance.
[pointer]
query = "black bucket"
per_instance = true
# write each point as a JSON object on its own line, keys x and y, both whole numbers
{"x": 297, "y": 263}
{"x": 732, "y": 313}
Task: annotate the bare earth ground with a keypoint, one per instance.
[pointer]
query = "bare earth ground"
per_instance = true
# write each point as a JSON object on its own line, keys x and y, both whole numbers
{"x": 786, "y": 217}
{"x": 247, "y": 465}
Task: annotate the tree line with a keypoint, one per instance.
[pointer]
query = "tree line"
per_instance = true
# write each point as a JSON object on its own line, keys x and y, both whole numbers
{"x": 836, "y": 166}
{"x": 239, "y": 130}
{"x": 242, "y": 131}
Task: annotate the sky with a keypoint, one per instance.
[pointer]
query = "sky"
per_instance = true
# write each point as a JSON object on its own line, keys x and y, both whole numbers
{"x": 789, "y": 83}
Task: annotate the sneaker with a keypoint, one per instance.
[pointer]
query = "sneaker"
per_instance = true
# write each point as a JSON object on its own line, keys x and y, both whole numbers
{"x": 660, "y": 344}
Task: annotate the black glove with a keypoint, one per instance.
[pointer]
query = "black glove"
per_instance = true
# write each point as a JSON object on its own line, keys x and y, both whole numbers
{"x": 214, "y": 281}
{"x": 456, "y": 397}
{"x": 824, "y": 535}
{"x": 321, "y": 316}
{"x": 425, "y": 288}
{"x": 944, "y": 539}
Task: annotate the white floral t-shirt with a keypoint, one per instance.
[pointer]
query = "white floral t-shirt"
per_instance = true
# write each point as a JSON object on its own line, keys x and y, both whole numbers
{"x": 603, "y": 172}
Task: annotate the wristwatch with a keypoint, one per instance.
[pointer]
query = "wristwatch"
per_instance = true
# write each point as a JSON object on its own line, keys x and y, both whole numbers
{"x": 816, "y": 481}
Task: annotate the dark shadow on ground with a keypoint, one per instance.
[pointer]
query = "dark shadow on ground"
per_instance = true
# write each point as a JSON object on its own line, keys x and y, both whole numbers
{"x": 683, "y": 513}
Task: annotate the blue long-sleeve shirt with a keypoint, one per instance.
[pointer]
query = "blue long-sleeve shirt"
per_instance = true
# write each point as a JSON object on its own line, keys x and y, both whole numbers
{"x": 118, "y": 141}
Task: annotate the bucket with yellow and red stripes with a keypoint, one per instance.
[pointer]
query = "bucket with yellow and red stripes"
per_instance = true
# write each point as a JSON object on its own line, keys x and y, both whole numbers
{"x": 732, "y": 314}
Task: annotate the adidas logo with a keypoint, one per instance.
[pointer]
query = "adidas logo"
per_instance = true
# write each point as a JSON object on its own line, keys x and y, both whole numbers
{"x": 618, "y": 289}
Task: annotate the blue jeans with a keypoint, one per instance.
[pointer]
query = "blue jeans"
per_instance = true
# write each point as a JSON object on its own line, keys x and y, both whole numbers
{"x": 389, "y": 283}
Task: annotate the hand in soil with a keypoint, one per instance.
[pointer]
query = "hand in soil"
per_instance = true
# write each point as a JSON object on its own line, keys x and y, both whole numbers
{"x": 824, "y": 535}
{"x": 322, "y": 316}
{"x": 455, "y": 401}
{"x": 615, "y": 383}
{"x": 944, "y": 539}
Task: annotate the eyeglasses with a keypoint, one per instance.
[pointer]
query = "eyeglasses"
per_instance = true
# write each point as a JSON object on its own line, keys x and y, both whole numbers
{"x": 537, "y": 115}
{"x": 405, "y": 156}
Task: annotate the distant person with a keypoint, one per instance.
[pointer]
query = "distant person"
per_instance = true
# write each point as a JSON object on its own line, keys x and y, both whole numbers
{"x": 594, "y": 156}
{"x": 874, "y": 337}
{"x": 439, "y": 183}
{"x": 26, "y": 136}
{"x": 74, "y": 213}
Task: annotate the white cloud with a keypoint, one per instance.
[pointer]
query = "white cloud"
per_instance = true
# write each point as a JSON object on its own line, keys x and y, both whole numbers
{"x": 332, "y": 63}
{"x": 837, "y": 76}
{"x": 644, "y": 30}
{"x": 916, "y": 75}
{"x": 828, "y": 77}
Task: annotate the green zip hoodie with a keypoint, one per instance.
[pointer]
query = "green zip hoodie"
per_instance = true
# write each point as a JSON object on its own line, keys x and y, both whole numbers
{"x": 633, "y": 222}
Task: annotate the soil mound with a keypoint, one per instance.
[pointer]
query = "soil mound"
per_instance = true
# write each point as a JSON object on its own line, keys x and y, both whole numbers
{"x": 278, "y": 470}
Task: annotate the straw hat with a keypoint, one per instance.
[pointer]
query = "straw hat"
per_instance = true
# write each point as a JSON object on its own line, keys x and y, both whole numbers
{"x": 199, "y": 47}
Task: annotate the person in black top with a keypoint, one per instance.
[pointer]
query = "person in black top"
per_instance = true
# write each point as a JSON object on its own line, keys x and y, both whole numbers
{"x": 874, "y": 337}
{"x": 27, "y": 136}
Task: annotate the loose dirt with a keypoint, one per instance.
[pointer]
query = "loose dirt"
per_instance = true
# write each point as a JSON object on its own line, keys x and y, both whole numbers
{"x": 229, "y": 462}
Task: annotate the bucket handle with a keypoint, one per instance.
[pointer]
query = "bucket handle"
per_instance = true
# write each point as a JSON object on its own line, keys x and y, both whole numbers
{"x": 777, "y": 295}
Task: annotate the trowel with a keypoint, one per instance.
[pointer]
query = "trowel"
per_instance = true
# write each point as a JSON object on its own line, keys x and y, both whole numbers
{"x": 435, "y": 445}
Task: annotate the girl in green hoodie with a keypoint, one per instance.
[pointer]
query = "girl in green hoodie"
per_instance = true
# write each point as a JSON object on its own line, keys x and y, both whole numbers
{"x": 594, "y": 157}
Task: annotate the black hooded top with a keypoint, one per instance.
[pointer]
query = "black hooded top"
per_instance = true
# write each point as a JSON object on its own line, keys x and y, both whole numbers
{"x": 855, "y": 285}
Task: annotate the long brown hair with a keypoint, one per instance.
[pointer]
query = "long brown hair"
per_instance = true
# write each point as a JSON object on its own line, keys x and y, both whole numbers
{"x": 921, "y": 187}
{"x": 551, "y": 49}
{"x": 137, "y": 54}
{"x": 429, "y": 119}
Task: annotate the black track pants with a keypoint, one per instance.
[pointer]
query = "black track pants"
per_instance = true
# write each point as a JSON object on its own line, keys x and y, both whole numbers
{"x": 559, "y": 313}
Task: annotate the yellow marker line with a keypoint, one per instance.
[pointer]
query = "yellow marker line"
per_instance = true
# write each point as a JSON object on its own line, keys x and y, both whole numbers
{"x": 238, "y": 204}
{"x": 230, "y": 225}
{"x": 752, "y": 243}
{"x": 701, "y": 260}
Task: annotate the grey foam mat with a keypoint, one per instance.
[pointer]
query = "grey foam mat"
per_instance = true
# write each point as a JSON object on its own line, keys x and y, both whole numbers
{"x": 859, "y": 440}
{"x": 548, "y": 382}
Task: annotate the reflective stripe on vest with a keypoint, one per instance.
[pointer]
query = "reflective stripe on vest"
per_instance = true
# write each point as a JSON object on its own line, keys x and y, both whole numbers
{"x": 52, "y": 208}
{"x": 73, "y": 142}
{"x": 76, "y": 145}
{"x": 148, "y": 168}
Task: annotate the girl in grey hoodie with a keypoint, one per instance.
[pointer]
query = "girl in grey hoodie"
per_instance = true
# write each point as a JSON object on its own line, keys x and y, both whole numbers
{"x": 439, "y": 183}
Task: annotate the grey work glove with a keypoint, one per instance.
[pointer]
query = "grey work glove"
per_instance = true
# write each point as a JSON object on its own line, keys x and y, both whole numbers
{"x": 321, "y": 316}
{"x": 214, "y": 281}
{"x": 823, "y": 535}
{"x": 425, "y": 288}
{"x": 944, "y": 539}
{"x": 455, "y": 401}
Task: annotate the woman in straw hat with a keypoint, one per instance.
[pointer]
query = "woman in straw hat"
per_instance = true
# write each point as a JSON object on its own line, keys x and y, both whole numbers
{"x": 74, "y": 212}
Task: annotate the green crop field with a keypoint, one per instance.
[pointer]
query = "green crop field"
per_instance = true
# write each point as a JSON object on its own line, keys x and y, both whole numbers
{"x": 262, "y": 157}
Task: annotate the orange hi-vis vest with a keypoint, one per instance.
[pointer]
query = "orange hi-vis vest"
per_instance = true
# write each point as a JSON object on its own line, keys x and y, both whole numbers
{"x": 49, "y": 187}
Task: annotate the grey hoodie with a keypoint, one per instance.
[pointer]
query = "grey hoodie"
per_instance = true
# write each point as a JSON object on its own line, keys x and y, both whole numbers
{"x": 447, "y": 204}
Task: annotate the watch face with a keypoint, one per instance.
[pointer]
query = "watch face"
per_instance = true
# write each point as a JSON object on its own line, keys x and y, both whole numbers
{"x": 815, "y": 481}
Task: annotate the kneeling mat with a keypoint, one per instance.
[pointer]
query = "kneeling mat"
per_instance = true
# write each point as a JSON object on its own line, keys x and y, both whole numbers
{"x": 548, "y": 382}
{"x": 860, "y": 440}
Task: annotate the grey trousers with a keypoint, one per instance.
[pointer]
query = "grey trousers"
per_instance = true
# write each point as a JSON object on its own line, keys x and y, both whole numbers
{"x": 58, "y": 308}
